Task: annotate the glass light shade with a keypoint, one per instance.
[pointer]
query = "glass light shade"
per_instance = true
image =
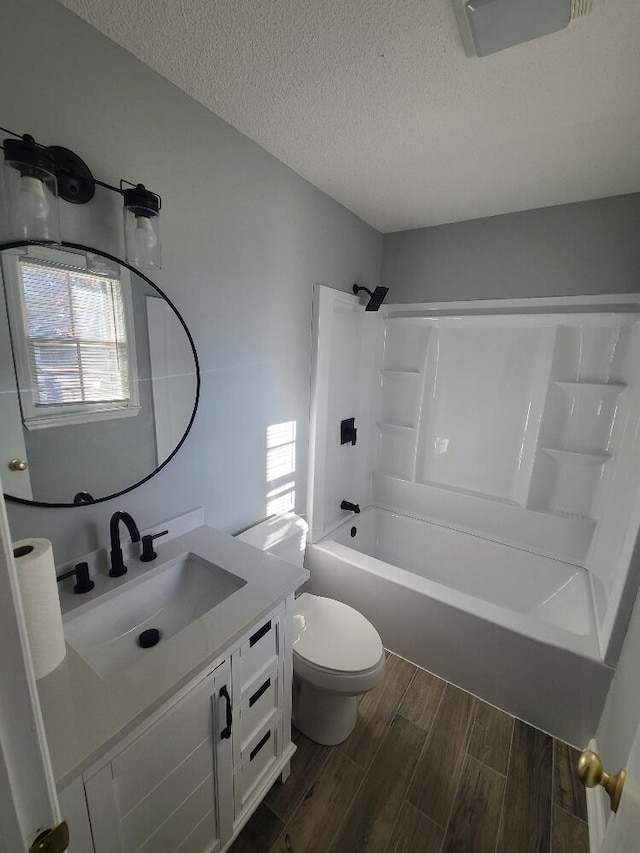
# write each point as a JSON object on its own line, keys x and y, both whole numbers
{"x": 31, "y": 194}
{"x": 142, "y": 228}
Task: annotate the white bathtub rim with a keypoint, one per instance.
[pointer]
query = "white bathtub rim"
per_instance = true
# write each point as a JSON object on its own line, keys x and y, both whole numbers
{"x": 585, "y": 645}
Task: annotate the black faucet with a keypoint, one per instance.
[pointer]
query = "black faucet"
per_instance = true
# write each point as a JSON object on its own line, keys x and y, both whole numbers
{"x": 118, "y": 567}
{"x": 349, "y": 506}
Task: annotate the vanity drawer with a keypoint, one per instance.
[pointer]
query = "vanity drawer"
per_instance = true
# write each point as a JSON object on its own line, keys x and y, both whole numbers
{"x": 258, "y": 653}
{"x": 262, "y": 699}
{"x": 257, "y": 759}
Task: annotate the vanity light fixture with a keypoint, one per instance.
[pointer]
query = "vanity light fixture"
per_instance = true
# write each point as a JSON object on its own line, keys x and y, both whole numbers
{"x": 36, "y": 176}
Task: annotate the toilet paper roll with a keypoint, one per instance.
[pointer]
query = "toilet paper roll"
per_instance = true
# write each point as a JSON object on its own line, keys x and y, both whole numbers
{"x": 40, "y": 602}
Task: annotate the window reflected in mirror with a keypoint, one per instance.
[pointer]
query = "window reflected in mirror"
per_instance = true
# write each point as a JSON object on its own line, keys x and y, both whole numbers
{"x": 99, "y": 378}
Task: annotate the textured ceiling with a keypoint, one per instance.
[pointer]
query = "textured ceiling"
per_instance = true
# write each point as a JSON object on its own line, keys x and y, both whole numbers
{"x": 376, "y": 103}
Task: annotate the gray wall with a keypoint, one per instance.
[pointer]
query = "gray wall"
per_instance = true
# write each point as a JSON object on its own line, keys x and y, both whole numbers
{"x": 570, "y": 250}
{"x": 244, "y": 239}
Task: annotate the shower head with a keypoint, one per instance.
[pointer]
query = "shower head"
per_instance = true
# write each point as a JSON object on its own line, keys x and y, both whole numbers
{"x": 376, "y": 297}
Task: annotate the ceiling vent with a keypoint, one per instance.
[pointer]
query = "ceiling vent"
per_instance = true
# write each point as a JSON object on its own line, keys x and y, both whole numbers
{"x": 488, "y": 26}
{"x": 580, "y": 8}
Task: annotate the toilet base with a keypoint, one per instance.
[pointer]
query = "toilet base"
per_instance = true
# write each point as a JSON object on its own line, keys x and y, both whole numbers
{"x": 326, "y": 718}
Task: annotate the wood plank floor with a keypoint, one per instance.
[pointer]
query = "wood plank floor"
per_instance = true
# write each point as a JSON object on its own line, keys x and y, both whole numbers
{"x": 428, "y": 769}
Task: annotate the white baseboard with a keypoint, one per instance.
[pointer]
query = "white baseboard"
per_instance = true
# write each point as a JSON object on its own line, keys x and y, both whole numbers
{"x": 596, "y": 812}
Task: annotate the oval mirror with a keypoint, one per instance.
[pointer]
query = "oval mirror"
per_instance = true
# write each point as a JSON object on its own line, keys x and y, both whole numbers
{"x": 99, "y": 378}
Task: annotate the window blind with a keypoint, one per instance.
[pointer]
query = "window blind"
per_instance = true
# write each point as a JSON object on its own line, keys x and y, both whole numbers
{"x": 76, "y": 335}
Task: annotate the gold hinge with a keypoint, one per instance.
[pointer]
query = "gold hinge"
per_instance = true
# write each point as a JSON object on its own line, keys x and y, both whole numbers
{"x": 52, "y": 840}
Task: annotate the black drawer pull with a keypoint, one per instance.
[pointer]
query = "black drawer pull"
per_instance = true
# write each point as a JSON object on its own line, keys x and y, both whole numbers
{"x": 256, "y": 749}
{"x": 259, "y": 692}
{"x": 226, "y": 732}
{"x": 259, "y": 634}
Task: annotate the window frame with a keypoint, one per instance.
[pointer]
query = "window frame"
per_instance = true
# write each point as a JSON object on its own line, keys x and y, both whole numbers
{"x": 37, "y": 417}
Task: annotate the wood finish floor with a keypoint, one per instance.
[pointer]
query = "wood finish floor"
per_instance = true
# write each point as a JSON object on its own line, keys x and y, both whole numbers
{"x": 428, "y": 769}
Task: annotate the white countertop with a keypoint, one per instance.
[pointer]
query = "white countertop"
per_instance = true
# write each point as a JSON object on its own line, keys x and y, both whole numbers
{"x": 84, "y": 715}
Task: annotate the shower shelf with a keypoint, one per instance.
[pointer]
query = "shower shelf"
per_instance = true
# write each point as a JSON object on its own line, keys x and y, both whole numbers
{"x": 597, "y": 390}
{"x": 385, "y": 425}
{"x": 395, "y": 475}
{"x": 574, "y": 457}
{"x": 563, "y": 513}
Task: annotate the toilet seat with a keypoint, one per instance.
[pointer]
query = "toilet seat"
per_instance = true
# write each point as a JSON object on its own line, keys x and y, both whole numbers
{"x": 335, "y": 647}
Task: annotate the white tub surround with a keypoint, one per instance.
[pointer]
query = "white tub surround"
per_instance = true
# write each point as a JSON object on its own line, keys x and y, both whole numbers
{"x": 516, "y": 422}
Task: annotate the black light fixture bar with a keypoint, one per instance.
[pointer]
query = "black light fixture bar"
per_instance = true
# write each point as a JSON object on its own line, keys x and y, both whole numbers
{"x": 75, "y": 183}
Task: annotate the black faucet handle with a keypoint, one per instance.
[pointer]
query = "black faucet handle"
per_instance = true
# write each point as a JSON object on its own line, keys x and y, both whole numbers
{"x": 83, "y": 580}
{"x": 148, "y": 554}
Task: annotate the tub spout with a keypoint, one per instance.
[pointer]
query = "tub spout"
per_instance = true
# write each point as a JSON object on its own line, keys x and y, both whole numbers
{"x": 349, "y": 506}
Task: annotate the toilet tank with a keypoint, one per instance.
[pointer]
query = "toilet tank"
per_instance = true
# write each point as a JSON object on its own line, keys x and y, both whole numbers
{"x": 282, "y": 535}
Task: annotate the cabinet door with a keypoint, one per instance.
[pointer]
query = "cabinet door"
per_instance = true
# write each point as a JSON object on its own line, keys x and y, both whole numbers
{"x": 74, "y": 808}
{"x": 164, "y": 793}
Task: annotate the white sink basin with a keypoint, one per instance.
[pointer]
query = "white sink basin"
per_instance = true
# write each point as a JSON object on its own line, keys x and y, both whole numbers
{"x": 168, "y": 599}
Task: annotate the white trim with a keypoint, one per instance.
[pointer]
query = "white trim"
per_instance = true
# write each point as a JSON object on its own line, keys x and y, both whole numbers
{"x": 318, "y": 402}
{"x": 83, "y": 417}
{"x": 29, "y": 804}
{"x": 617, "y": 303}
{"x": 596, "y": 811}
{"x": 57, "y": 255}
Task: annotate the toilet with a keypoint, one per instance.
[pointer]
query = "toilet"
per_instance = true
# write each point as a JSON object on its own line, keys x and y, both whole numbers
{"x": 337, "y": 653}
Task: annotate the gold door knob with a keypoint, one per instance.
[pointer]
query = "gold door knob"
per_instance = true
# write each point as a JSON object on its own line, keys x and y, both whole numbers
{"x": 592, "y": 773}
{"x": 54, "y": 840}
{"x": 18, "y": 465}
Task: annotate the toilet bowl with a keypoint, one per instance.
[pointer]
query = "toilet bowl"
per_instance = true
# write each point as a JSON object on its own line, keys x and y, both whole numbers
{"x": 337, "y": 656}
{"x": 337, "y": 653}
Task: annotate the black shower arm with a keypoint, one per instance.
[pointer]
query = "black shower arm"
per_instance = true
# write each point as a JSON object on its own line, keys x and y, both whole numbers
{"x": 358, "y": 287}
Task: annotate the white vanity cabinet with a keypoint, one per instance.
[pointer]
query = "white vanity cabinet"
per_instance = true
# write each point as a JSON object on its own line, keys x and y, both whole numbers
{"x": 262, "y": 708}
{"x": 169, "y": 789}
{"x": 188, "y": 778}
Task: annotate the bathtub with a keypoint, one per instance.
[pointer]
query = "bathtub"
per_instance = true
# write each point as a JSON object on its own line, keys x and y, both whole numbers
{"x": 514, "y": 628}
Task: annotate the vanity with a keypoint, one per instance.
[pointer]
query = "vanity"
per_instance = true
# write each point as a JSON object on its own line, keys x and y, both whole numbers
{"x": 166, "y": 742}
{"x": 171, "y": 748}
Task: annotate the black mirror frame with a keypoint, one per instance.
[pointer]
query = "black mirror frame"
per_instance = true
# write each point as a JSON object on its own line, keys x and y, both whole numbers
{"x": 16, "y": 245}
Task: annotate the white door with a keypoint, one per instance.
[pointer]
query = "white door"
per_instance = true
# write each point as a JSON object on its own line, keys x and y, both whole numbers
{"x": 17, "y": 483}
{"x": 28, "y": 804}
{"x": 623, "y": 829}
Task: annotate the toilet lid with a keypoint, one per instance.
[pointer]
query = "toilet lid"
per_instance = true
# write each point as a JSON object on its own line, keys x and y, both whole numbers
{"x": 332, "y": 635}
